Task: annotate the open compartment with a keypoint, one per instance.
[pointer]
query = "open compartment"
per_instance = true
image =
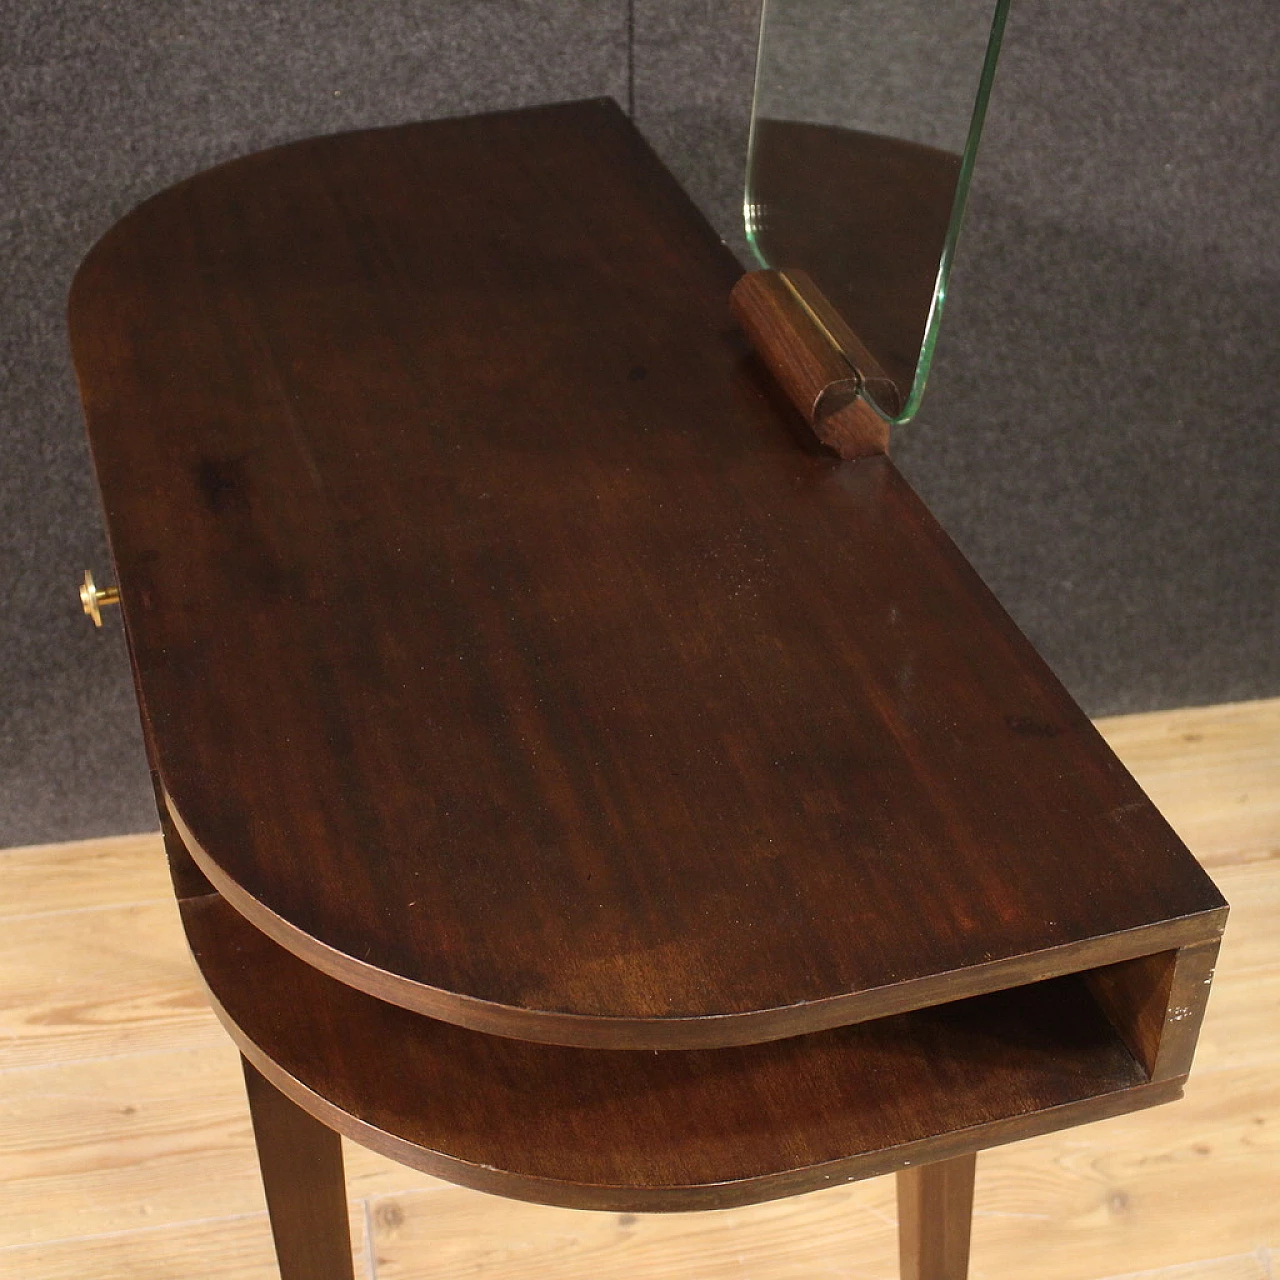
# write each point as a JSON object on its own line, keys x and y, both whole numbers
{"x": 1156, "y": 1004}
{"x": 678, "y": 1129}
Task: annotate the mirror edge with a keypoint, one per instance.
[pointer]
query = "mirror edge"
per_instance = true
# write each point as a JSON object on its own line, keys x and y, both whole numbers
{"x": 913, "y": 395}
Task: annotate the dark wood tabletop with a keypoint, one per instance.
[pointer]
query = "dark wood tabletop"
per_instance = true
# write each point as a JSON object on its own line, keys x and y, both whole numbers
{"x": 508, "y": 653}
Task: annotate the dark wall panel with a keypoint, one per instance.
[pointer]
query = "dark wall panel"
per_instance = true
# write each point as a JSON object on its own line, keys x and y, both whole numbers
{"x": 1101, "y": 433}
{"x": 694, "y": 62}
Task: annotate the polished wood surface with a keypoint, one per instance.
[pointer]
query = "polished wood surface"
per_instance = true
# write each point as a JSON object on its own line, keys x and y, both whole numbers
{"x": 935, "y": 1216}
{"x": 504, "y": 656}
{"x": 817, "y": 376}
{"x": 632, "y": 1130}
{"x": 301, "y": 1164}
{"x": 126, "y": 1148}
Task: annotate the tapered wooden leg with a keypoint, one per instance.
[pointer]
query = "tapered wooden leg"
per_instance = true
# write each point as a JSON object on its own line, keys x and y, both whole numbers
{"x": 301, "y": 1163}
{"x": 935, "y": 1213}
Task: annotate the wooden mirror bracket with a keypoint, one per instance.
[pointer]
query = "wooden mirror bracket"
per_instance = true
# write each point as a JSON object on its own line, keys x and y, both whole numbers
{"x": 826, "y": 372}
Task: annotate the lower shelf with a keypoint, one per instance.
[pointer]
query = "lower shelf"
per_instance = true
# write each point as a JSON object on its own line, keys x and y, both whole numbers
{"x": 638, "y": 1130}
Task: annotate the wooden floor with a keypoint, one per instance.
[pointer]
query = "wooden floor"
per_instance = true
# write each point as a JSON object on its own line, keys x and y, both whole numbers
{"x": 125, "y": 1148}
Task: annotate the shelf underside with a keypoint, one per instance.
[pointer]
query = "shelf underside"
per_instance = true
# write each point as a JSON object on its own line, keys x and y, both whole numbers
{"x": 674, "y": 1130}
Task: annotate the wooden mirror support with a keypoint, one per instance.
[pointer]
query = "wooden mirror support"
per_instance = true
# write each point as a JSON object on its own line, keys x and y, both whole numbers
{"x": 572, "y": 787}
{"x": 819, "y": 362}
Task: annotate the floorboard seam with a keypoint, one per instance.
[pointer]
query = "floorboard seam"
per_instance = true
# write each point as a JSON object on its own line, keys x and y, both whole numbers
{"x": 370, "y": 1258}
{"x": 62, "y": 846}
{"x": 134, "y": 1231}
{"x": 117, "y": 1057}
{"x": 1171, "y": 1267}
{"x": 77, "y": 911}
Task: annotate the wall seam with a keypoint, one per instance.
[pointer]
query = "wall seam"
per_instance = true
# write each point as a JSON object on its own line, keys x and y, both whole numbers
{"x": 631, "y": 59}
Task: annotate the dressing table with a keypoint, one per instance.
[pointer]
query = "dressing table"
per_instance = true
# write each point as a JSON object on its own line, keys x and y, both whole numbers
{"x": 578, "y": 781}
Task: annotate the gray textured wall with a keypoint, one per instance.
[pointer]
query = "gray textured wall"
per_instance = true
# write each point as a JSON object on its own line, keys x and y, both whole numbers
{"x": 1099, "y": 434}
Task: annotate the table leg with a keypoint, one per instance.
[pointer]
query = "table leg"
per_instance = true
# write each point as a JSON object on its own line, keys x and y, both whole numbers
{"x": 935, "y": 1213}
{"x": 301, "y": 1163}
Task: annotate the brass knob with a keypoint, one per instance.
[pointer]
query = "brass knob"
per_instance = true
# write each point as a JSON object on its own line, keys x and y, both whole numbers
{"x": 93, "y": 597}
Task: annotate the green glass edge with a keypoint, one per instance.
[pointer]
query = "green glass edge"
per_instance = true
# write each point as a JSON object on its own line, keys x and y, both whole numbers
{"x": 967, "y": 162}
{"x": 912, "y": 406}
{"x": 748, "y": 221}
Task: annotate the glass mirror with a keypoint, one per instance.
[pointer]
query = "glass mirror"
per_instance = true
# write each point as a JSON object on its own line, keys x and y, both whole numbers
{"x": 864, "y": 129}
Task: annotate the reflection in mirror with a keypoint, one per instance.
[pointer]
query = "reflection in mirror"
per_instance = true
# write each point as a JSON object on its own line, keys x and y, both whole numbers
{"x": 865, "y": 124}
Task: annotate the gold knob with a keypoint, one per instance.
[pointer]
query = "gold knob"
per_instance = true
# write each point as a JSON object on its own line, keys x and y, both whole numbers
{"x": 93, "y": 598}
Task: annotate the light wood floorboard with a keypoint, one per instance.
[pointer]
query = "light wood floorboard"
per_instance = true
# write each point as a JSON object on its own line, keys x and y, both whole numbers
{"x": 125, "y": 1146}
{"x": 1214, "y": 772}
{"x": 212, "y": 1249}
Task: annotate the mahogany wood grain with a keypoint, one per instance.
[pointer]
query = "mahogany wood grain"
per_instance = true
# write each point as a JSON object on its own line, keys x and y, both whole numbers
{"x": 502, "y": 655}
{"x": 301, "y": 1163}
{"x": 1134, "y": 994}
{"x": 876, "y": 382}
{"x": 935, "y": 1218}
{"x": 1157, "y": 1004}
{"x": 634, "y": 1130}
{"x": 812, "y": 370}
{"x": 1188, "y": 998}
